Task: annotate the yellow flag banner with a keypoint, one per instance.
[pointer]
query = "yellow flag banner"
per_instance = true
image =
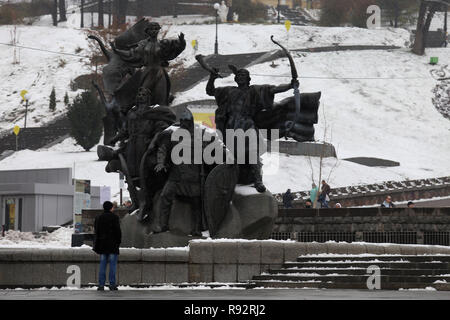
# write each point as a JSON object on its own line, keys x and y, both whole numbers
{"x": 16, "y": 130}
{"x": 23, "y": 93}
{"x": 287, "y": 24}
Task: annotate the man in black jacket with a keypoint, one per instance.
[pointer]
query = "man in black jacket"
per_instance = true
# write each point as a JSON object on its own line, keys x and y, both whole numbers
{"x": 107, "y": 241}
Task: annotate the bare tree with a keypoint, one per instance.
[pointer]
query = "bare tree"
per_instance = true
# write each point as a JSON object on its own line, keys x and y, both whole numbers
{"x": 100, "y": 14}
{"x": 426, "y": 13}
{"x": 14, "y": 41}
{"x": 55, "y": 13}
{"x": 62, "y": 10}
{"x": 139, "y": 9}
{"x": 319, "y": 185}
{"x": 321, "y": 159}
{"x": 109, "y": 13}
{"x": 398, "y": 10}
{"x": 120, "y": 12}
{"x": 82, "y": 14}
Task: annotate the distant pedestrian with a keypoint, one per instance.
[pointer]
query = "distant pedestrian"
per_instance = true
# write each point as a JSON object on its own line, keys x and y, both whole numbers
{"x": 388, "y": 203}
{"x": 107, "y": 241}
{"x": 338, "y": 205}
{"x": 128, "y": 204}
{"x": 411, "y": 204}
{"x": 308, "y": 204}
{"x": 313, "y": 193}
{"x": 324, "y": 197}
{"x": 287, "y": 199}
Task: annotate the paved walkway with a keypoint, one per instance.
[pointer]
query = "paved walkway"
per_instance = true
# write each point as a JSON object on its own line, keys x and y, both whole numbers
{"x": 224, "y": 294}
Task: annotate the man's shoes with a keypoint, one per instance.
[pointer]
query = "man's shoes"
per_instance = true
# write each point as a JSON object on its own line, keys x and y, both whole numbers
{"x": 101, "y": 288}
{"x": 113, "y": 288}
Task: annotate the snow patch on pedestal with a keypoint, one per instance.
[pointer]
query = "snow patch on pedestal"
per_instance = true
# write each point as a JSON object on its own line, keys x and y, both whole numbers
{"x": 245, "y": 190}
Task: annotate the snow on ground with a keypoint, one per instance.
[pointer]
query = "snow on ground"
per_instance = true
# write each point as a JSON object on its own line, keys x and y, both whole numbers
{"x": 437, "y": 22}
{"x": 314, "y": 13}
{"x": 38, "y": 71}
{"x": 388, "y": 115}
{"x": 60, "y": 238}
{"x": 67, "y": 154}
{"x": 247, "y": 38}
{"x": 181, "y": 286}
{"x": 442, "y": 97}
{"x": 419, "y": 289}
{"x": 236, "y": 38}
{"x": 387, "y": 118}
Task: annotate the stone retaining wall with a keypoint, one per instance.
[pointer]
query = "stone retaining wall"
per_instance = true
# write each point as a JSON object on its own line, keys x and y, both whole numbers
{"x": 33, "y": 138}
{"x": 363, "y": 220}
{"x": 47, "y": 267}
{"x": 204, "y": 261}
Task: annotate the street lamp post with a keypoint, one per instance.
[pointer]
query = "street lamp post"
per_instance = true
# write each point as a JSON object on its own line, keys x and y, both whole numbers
{"x": 82, "y": 14}
{"x": 26, "y": 97}
{"x": 445, "y": 20}
{"x": 216, "y": 44}
{"x": 278, "y": 15}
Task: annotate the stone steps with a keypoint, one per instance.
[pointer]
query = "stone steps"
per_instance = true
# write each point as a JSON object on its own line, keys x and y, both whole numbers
{"x": 355, "y": 285}
{"x": 361, "y": 271}
{"x": 366, "y": 264}
{"x": 350, "y": 278}
{"x": 351, "y": 272}
{"x": 410, "y": 258}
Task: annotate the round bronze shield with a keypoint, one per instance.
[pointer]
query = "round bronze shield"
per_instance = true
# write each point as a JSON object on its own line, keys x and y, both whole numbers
{"x": 218, "y": 191}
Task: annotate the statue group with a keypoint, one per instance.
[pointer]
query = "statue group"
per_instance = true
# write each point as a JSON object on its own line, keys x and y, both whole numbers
{"x": 140, "y": 127}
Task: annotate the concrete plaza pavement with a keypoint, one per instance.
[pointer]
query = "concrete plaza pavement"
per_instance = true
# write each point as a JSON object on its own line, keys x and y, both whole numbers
{"x": 224, "y": 294}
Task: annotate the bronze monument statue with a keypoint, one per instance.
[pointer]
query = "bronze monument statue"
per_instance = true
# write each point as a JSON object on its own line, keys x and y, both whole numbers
{"x": 191, "y": 196}
{"x": 237, "y": 107}
{"x": 143, "y": 123}
{"x": 137, "y": 59}
{"x": 153, "y": 56}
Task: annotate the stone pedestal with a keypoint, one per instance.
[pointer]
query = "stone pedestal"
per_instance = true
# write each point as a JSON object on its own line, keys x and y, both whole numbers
{"x": 139, "y": 235}
{"x": 251, "y": 215}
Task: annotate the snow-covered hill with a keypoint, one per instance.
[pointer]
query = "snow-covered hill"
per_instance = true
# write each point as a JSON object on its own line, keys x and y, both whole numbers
{"x": 56, "y": 61}
{"x": 53, "y": 56}
{"x": 374, "y": 103}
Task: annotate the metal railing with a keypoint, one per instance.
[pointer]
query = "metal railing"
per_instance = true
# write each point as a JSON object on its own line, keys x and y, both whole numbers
{"x": 315, "y": 236}
{"x": 401, "y": 237}
{"x": 436, "y": 238}
{"x": 284, "y": 236}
